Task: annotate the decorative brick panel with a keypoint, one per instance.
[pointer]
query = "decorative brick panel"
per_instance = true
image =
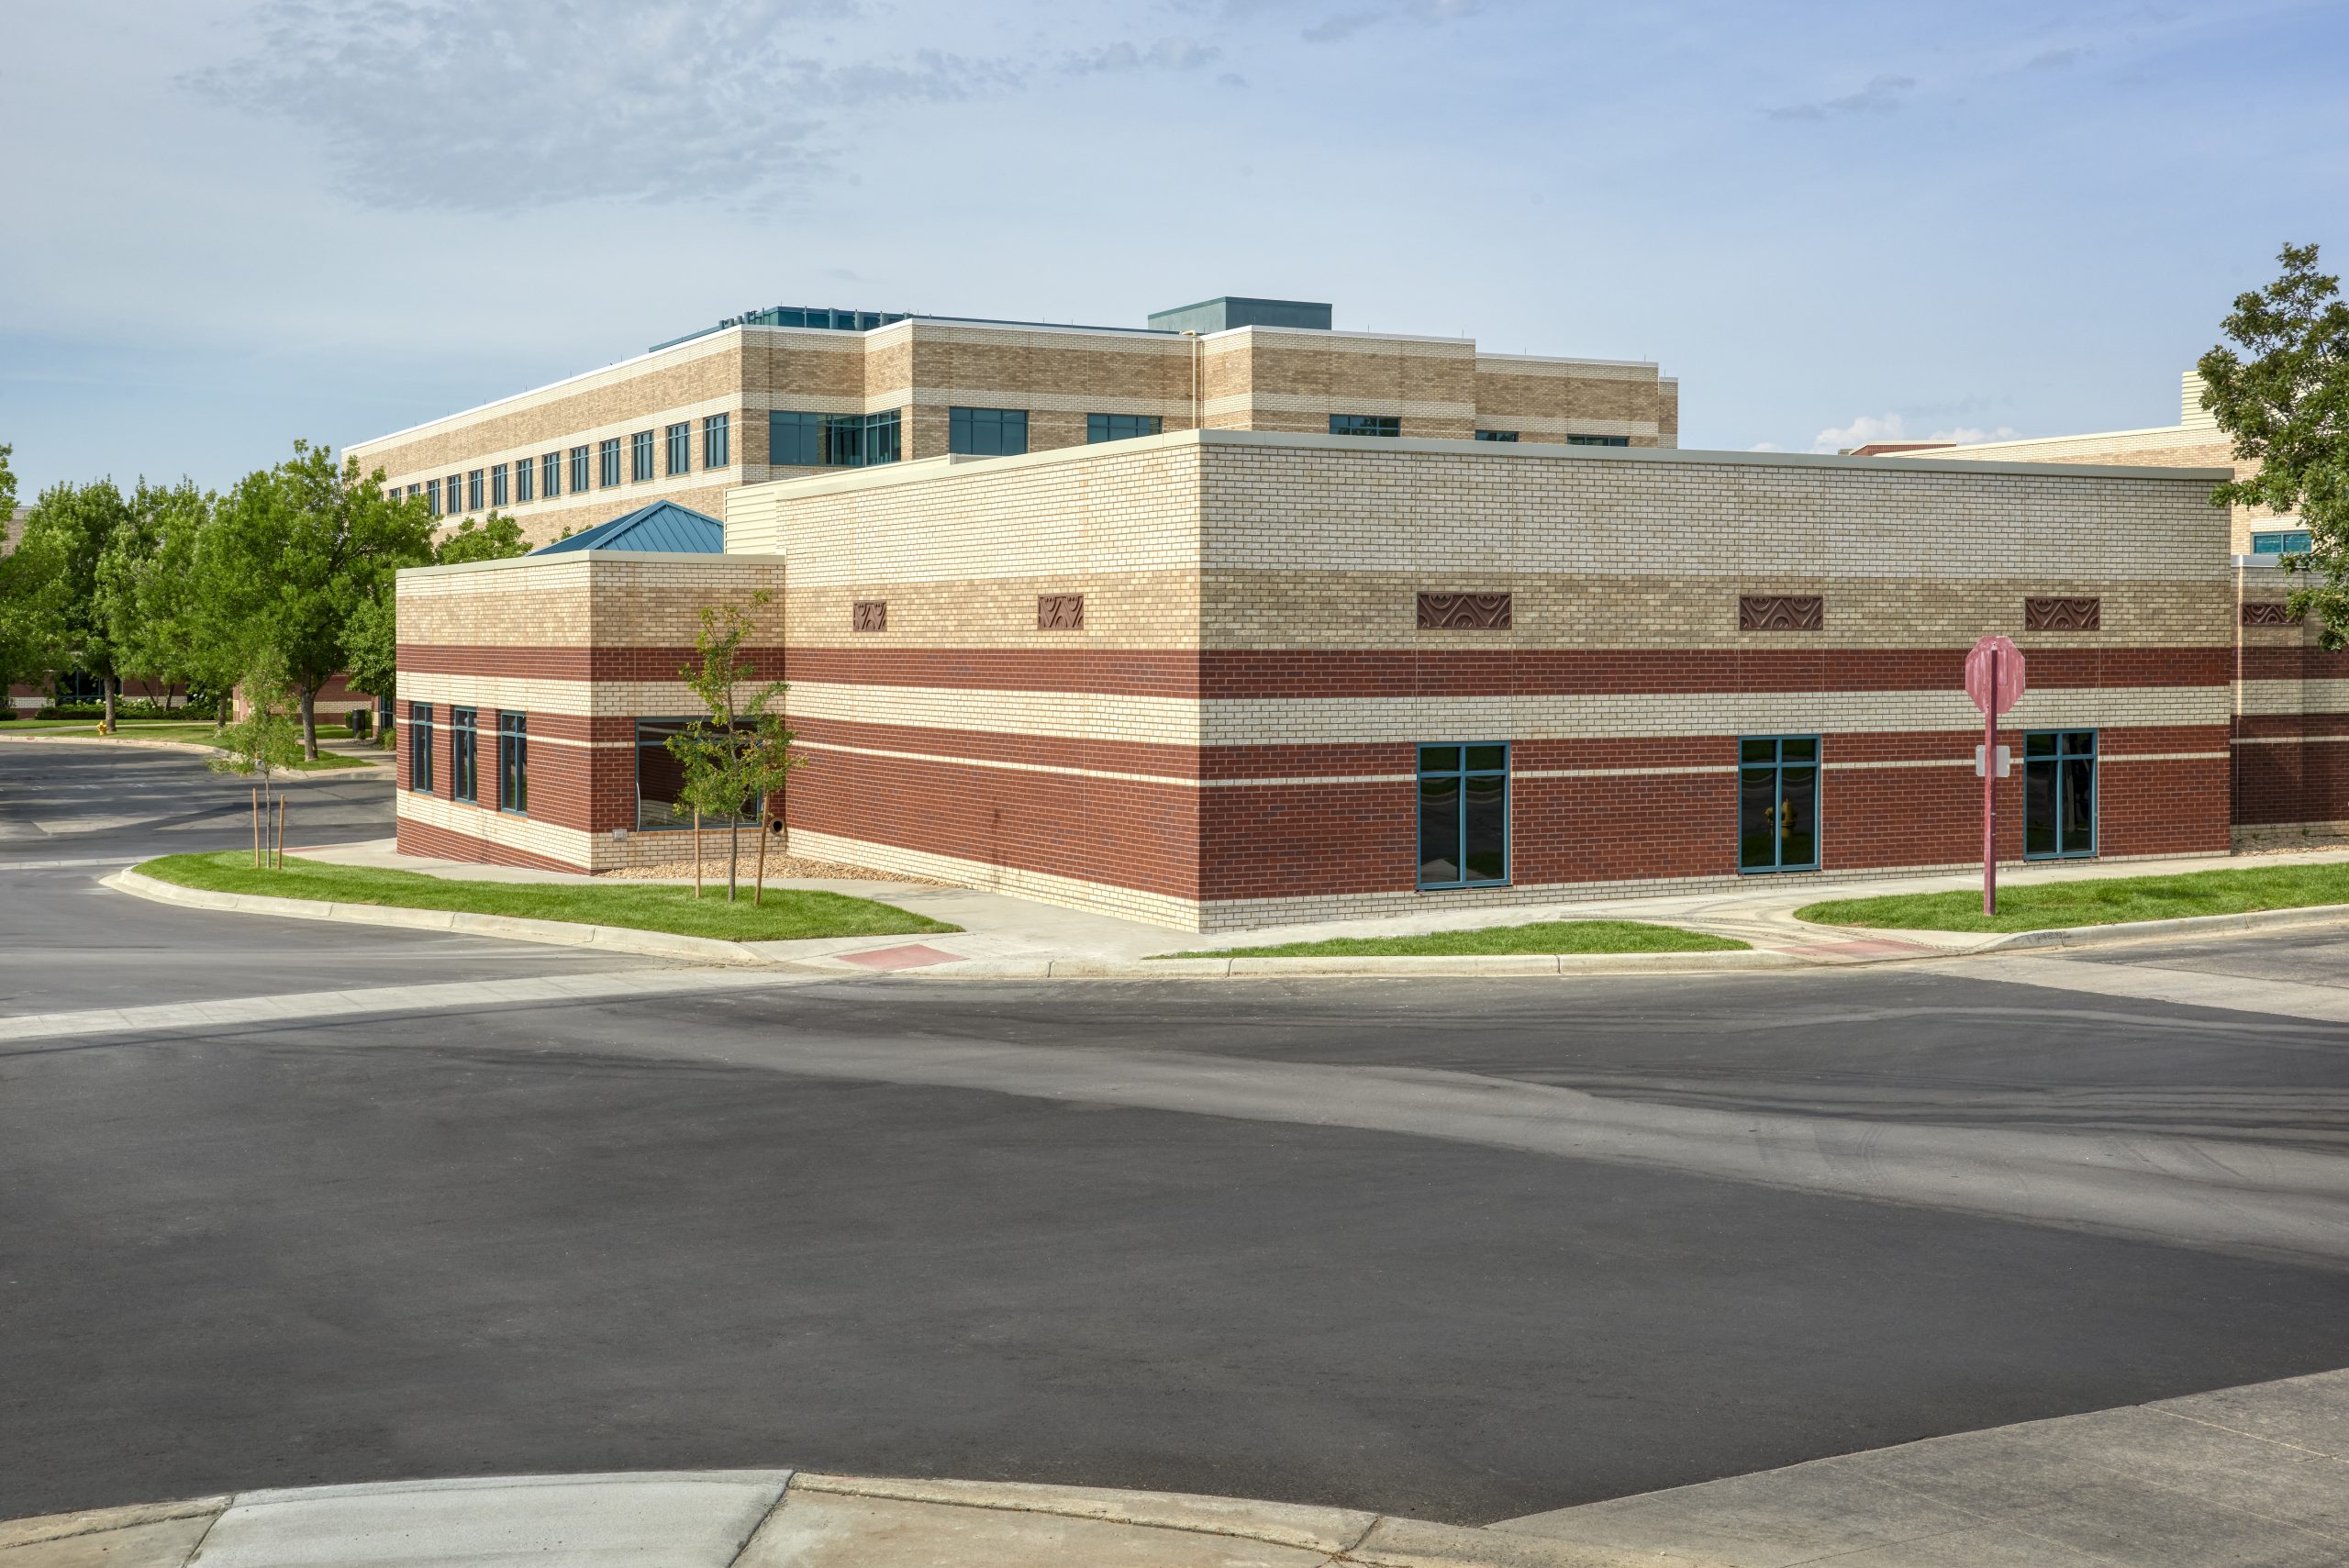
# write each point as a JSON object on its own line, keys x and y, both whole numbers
{"x": 2268, "y": 612}
{"x": 869, "y": 614}
{"x": 2078, "y": 614}
{"x": 1060, "y": 612}
{"x": 1464, "y": 612}
{"x": 1781, "y": 612}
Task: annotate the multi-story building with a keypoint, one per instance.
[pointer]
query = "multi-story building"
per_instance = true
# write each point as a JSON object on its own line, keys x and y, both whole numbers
{"x": 788, "y": 391}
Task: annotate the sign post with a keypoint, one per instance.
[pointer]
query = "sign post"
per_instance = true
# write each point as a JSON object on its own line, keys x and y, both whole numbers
{"x": 1994, "y": 680}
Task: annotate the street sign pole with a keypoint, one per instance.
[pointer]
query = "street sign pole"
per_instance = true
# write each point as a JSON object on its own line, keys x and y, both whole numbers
{"x": 1991, "y": 795}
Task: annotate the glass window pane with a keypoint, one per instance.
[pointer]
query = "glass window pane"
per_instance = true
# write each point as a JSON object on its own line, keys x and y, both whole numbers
{"x": 1439, "y": 831}
{"x": 1804, "y": 751}
{"x": 1439, "y": 759}
{"x": 2080, "y": 742}
{"x": 1757, "y": 750}
{"x": 1757, "y": 810}
{"x": 2078, "y": 827}
{"x": 2039, "y": 743}
{"x": 1487, "y": 758}
{"x": 2038, "y": 808}
{"x": 1799, "y": 816}
{"x": 1485, "y": 814}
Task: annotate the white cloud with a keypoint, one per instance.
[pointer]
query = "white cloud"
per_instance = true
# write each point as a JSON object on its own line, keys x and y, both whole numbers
{"x": 1882, "y": 96}
{"x": 1869, "y": 428}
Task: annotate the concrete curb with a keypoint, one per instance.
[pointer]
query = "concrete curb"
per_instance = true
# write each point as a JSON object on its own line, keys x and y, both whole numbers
{"x": 2111, "y": 935}
{"x": 557, "y": 933}
{"x": 193, "y": 748}
{"x": 768, "y": 1518}
{"x": 1390, "y": 968}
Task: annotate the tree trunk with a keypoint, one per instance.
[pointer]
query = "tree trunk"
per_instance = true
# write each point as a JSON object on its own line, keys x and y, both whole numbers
{"x": 107, "y": 686}
{"x": 281, "y": 831}
{"x": 256, "y": 827}
{"x": 310, "y": 723}
{"x": 733, "y": 851}
{"x": 759, "y": 879}
{"x": 696, "y": 852}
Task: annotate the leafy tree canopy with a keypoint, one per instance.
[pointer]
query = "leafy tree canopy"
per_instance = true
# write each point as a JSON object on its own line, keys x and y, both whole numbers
{"x": 2284, "y": 399}
{"x": 370, "y": 637}
{"x": 54, "y": 578}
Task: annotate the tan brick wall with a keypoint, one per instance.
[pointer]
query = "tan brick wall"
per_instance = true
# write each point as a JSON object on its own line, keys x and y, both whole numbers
{"x": 2171, "y": 447}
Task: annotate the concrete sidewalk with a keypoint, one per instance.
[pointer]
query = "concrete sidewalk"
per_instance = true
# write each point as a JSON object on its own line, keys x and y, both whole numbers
{"x": 1006, "y": 936}
{"x": 2257, "y": 1475}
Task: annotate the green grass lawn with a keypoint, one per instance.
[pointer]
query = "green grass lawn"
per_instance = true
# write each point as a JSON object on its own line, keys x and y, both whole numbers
{"x": 787, "y": 913}
{"x": 199, "y": 733}
{"x": 2096, "y": 901}
{"x": 1542, "y": 937}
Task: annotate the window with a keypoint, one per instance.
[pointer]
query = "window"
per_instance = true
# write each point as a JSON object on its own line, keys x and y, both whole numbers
{"x": 1120, "y": 426}
{"x": 551, "y": 475}
{"x": 1364, "y": 424}
{"x": 987, "y": 432}
{"x": 455, "y": 493}
{"x": 680, "y": 446}
{"x": 639, "y": 456}
{"x": 513, "y": 763}
{"x": 1598, "y": 440}
{"x": 419, "y": 746}
{"x": 472, "y": 491}
{"x": 432, "y": 495}
{"x": 462, "y": 737}
{"x": 2279, "y": 541}
{"x": 523, "y": 474}
{"x": 1463, "y": 815}
{"x": 497, "y": 491}
{"x": 608, "y": 462}
{"x": 832, "y": 440}
{"x": 1777, "y": 803}
{"x": 1497, "y": 435}
{"x": 716, "y": 441}
{"x": 2058, "y": 793}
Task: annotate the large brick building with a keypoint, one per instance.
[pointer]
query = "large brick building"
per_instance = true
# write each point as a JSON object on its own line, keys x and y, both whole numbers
{"x": 2290, "y": 739}
{"x": 1217, "y": 678}
{"x": 787, "y": 392}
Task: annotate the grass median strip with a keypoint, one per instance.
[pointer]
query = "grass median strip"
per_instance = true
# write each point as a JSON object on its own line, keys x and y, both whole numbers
{"x": 788, "y": 913}
{"x": 198, "y": 734}
{"x": 2096, "y": 901}
{"x": 1542, "y": 937}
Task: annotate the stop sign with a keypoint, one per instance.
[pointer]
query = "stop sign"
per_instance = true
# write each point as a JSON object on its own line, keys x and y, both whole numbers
{"x": 1993, "y": 675}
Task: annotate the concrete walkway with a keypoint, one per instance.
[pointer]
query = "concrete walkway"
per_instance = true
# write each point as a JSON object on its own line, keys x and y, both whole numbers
{"x": 1002, "y": 934}
{"x": 2252, "y": 1477}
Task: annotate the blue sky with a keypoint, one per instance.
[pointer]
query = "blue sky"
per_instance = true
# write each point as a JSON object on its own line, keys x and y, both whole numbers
{"x": 223, "y": 225}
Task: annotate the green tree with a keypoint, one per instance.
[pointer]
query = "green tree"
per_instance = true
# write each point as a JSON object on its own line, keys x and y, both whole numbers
{"x": 291, "y": 553}
{"x": 2284, "y": 399}
{"x": 56, "y": 567}
{"x": 741, "y": 755}
{"x": 16, "y": 661}
{"x": 260, "y": 745}
{"x": 370, "y": 637}
{"x": 140, "y": 581}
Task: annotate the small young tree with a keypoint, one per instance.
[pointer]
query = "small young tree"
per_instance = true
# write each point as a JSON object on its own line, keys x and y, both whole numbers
{"x": 2287, "y": 404}
{"x": 739, "y": 755}
{"x": 263, "y": 743}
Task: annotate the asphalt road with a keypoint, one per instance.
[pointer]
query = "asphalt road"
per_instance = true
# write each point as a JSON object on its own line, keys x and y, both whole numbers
{"x": 1109, "y": 1234}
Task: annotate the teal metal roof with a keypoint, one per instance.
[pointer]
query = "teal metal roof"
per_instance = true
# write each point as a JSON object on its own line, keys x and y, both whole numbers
{"x": 664, "y": 526}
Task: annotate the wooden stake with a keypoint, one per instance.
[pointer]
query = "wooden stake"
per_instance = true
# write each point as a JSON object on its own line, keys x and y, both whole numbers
{"x": 696, "y": 852}
{"x": 759, "y": 879}
{"x": 256, "y": 827}
{"x": 281, "y": 832}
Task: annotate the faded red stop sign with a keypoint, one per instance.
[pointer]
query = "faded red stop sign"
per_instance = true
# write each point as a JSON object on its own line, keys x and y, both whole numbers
{"x": 1993, "y": 675}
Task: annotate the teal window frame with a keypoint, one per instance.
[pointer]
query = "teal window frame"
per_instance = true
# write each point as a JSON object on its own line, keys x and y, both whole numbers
{"x": 639, "y": 456}
{"x": 579, "y": 471}
{"x": 455, "y": 491}
{"x": 432, "y": 496}
{"x": 551, "y": 475}
{"x": 797, "y": 438}
{"x": 497, "y": 492}
{"x": 525, "y": 473}
{"x": 1497, "y": 435}
{"x": 464, "y": 755}
{"x": 1598, "y": 440}
{"x": 987, "y": 432}
{"x": 1463, "y": 806}
{"x": 2055, "y": 764}
{"x": 716, "y": 441}
{"x": 608, "y": 462}
{"x": 472, "y": 491}
{"x": 2280, "y": 541}
{"x": 419, "y": 747}
{"x": 1099, "y": 427}
{"x": 681, "y": 447}
{"x": 513, "y": 762}
{"x": 1781, "y": 761}
{"x": 1381, "y": 424}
